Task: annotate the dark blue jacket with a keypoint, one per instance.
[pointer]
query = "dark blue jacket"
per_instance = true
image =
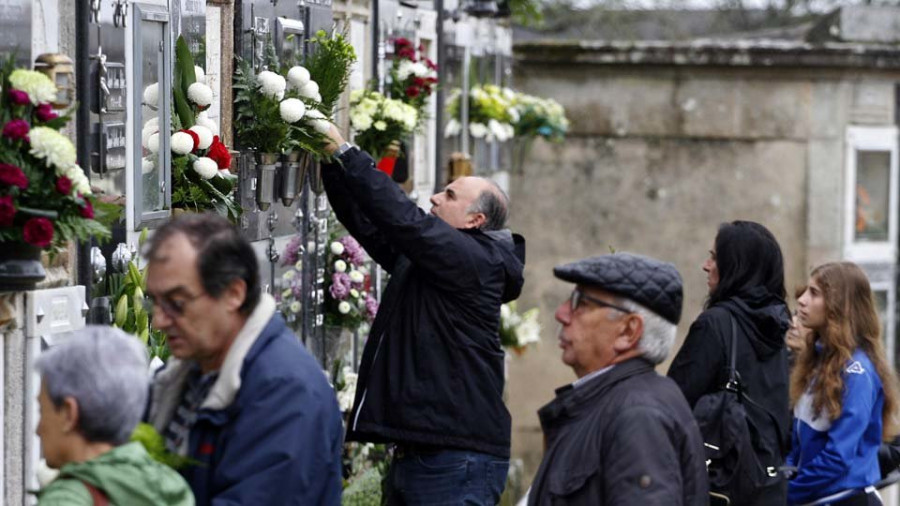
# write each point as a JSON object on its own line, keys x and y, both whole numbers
{"x": 279, "y": 442}
{"x": 432, "y": 369}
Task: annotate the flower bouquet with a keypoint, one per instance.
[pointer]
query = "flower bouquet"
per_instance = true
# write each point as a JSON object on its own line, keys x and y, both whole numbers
{"x": 45, "y": 197}
{"x": 517, "y": 331}
{"x": 348, "y": 301}
{"x": 540, "y": 117}
{"x": 200, "y": 161}
{"x": 413, "y": 77}
{"x": 492, "y": 113}
{"x": 378, "y": 121}
{"x": 291, "y": 296}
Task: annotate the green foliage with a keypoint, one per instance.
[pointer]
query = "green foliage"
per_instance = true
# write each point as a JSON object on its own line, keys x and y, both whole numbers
{"x": 330, "y": 65}
{"x": 364, "y": 490}
{"x": 155, "y": 444}
{"x": 130, "y": 314}
{"x": 258, "y": 124}
{"x": 184, "y": 78}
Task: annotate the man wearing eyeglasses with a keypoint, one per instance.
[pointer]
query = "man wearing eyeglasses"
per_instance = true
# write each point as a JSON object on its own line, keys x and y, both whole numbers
{"x": 621, "y": 433}
{"x": 241, "y": 397}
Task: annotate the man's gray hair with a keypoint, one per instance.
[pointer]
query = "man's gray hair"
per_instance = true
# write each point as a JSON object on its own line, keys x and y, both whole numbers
{"x": 494, "y": 204}
{"x": 105, "y": 370}
{"x": 659, "y": 334}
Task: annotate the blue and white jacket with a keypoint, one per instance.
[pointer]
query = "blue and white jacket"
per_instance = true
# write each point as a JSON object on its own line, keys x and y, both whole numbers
{"x": 842, "y": 454}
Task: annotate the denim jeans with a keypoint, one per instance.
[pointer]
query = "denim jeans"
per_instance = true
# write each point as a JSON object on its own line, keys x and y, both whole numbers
{"x": 446, "y": 478}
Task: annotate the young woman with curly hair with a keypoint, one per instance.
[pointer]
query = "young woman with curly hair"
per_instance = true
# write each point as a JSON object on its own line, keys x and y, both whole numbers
{"x": 843, "y": 392}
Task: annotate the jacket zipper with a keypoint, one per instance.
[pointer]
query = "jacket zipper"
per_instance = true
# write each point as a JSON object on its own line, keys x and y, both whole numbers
{"x": 362, "y": 400}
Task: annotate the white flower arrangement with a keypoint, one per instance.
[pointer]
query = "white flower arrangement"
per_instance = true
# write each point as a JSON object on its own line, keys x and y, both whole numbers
{"x": 200, "y": 94}
{"x": 151, "y": 95}
{"x": 182, "y": 143}
{"x": 37, "y": 85}
{"x": 206, "y": 167}
{"x": 205, "y": 135}
{"x": 292, "y": 110}
{"x": 297, "y": 77}
{"x": 271, "y": 84}
{"x": 409, "y": 68}
{"x": 204, "y": 120}
{"x": 517, "y": 331}
{"x": 318, "y": 120}
{"x": 309, "y": 90}
{"x": 378, "y": 120}
{"x": 52, "y": 146}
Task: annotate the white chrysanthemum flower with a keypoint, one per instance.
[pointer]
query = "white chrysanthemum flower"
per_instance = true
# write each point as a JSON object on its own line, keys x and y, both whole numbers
{"x": 286, "y": 293}
{"x": 354, "y": 293}
{"x": 340, "y": 266}
{"x": 356, "y": 95}
{"x": 147, "y": 165}
{"x": 146, "y": 133}
{"x": 361, "y": 122}
{"x": 205, "y": 135}
{"x": 295, "y": 307}
{"x": 477, "y": 130}
{"x": 289, "y": 275}
{"x": 182, "y": 143}
{"x": 356, "y": 277}
{"x": 380, "y": 125}
{"x": 204, "y": 120}
{"x": 52, "y": 146}
{"x": 206, "y": 167}
{"x": 151, "y": 95}
{"x": 291, "y": 110}
{"x": 200, "y": 94}
{"x": 39, "y": 87}
{"x": 152, "y": 144}
{"x": 271, "y": 84}
{"x": 297, "y": 77}
{"x": 318, "y": 121}
{"x": 199, "y": 74}
{"x": 79, "y": 181}
{"x": 497, "y": 130}
{"x": 317, "y": 98}
{"x": 337, "y": 248}
{"x": 344, "y": 307}
{"x": 152, "y": 123}
{"x": 453, "y": 128}
{"x": 309, "y": 90}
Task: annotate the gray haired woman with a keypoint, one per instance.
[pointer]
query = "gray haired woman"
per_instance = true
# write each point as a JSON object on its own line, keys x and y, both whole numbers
{"x": 94, "y": 390}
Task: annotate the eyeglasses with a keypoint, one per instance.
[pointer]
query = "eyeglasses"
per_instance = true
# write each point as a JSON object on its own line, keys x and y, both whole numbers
{"x": 577, "y": 297}
{"x": 173, "y": 308}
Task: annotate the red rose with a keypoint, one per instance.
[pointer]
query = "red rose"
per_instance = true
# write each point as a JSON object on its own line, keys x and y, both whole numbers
{"x": 194, "y": 136}
{"x": 7, "y": 211}
{"x": 16, "y": 129}
{"x": 44, "y": 113}
{"x": 412, "y": 91}
{"x": 64, "y": 185}
{"x": 88, "y": 210}
{"x": 219, "y": 153}
{"x": 18, "y": 97}
{"x": 38, "y": 232}
{"x": 11, "y": 175}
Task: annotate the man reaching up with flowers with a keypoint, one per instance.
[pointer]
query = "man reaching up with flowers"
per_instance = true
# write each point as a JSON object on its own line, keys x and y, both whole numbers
{"x": 431, "y": 376}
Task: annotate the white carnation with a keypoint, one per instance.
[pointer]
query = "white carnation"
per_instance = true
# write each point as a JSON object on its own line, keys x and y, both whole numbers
{"x": 340, "y": 266}
{"x": 291, "y": 110}
{"x": 203, "y": 119}
{"x": 52, "y": 146}
{"x": 297, "y": 77}
{"x": 152, "y": 144}
{"x": 182, "y": 143}
{"x": 271, "y": 84}
{"x": 206, "y": 167}
{"x": 37, "y": 85}
{"x": 344, "y": 307}
{"x": 200, "y": 94}
{"x": 199, "y": 74}
{"x": 151, "y": 95}
{"x": 205, "y": 135}
{"x": 356, "y": 277}
{"x": 477, "y": 130}
{"x": 337, "y": 248}
{"x": 309, "y": 90}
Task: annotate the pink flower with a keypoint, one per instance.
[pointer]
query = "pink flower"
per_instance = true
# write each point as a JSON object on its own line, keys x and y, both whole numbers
{"x": 38, "y": 232}
{"x": 7, "y": 211}
{"x": 11, "y": 175}
{"x": 44, "y": 113}
{"x": 18, "y": 97}
{"x": 353, "y": 251}
{"x": 340, "y": 286}
{"x": 371, "y": 307}
{"x": 16, "y": 129}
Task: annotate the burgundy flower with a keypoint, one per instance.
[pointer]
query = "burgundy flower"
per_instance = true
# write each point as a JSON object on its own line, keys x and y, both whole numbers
{"x": 38, "y": 232}
{"x": 16, "y": 129}
{"x": 408, "y": 53}
{"x": 64, "y": 185}
{"x": 430, "y": 64}
{"x": 412, "y": 91}
{"x": 44, "y": 113}
{"x": 88, "y": 210}
{"x": 7, "y": 211}
{"x": 11, "y": 175}
{"x": 400, "y": 42}
{"x": 219, "y": 152}
{"x": 18, "y": 97}
{"x": 419, "y": 81}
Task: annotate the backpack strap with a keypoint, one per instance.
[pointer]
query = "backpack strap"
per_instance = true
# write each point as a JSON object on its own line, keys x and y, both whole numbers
{"x": 97, "y": 495}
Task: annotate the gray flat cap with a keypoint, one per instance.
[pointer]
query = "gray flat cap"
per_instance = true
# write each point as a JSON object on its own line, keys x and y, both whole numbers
{"x": 647, "y": 281}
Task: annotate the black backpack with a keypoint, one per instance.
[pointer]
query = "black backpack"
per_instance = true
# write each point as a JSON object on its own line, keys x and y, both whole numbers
{"x": 730, "y": 436}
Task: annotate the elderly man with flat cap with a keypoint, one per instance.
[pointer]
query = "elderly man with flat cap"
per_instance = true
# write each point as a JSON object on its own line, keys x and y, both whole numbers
{"x": 621, "y": 433}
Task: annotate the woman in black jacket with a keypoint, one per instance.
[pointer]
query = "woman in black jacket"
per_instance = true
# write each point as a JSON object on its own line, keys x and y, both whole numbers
{"x": 745, "y": 275}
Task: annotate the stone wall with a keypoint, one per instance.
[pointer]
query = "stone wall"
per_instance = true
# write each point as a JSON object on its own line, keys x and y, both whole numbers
{"x": 657, "y": 158}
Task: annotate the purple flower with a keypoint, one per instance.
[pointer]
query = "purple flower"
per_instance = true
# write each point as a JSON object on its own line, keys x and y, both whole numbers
{"x": 18, "y": 97}
{"x": 340, "y": 286}
{"x": 291, "y": 251}
{"x": 353, "y": 251}
{"x": 371, "y": 307}
{"x": 16, "y": 129}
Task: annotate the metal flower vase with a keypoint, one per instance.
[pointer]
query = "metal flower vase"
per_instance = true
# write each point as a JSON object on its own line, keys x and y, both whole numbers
{"x": 20, "y": 267}
{"x": 316, "y": 184}
{"x": 290, "y": 176}
{"x": 266, "y": 170}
